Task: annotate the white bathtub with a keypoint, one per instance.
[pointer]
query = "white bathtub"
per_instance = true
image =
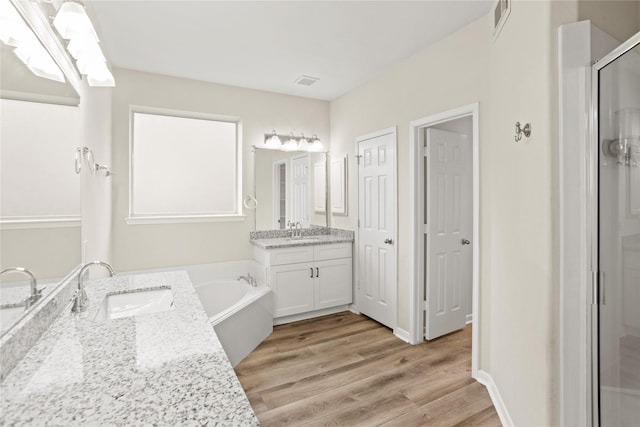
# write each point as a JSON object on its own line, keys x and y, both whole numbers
{"x": 242, "y": 315}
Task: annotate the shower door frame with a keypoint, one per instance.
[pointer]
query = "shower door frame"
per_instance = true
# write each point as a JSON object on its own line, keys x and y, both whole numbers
{"x": 593, "y": 221}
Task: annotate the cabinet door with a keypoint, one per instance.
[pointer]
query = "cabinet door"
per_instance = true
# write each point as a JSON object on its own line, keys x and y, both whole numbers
{"x": 333, "y": 283}
{"x": 292, "y": 285}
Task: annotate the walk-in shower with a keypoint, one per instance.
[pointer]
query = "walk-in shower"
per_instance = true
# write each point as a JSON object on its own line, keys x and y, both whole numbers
{"x": 615, "y": 255}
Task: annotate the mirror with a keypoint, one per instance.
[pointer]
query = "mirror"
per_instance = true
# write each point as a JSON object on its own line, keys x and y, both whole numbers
{"x": 290, "y": 187}
{"x": 39, "y": 189}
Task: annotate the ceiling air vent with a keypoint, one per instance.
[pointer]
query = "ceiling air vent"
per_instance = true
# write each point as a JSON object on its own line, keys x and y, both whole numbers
{"x": 306, "y": 80}
{"x": 500, "y": 15}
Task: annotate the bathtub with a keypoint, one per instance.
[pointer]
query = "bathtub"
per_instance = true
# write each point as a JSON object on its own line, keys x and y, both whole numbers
{"x": 241, "y": 315}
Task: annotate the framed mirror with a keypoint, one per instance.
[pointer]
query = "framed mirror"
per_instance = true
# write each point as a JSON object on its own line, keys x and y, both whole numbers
{"x": 39, "y": 189}
{"x": 290, "y": 187}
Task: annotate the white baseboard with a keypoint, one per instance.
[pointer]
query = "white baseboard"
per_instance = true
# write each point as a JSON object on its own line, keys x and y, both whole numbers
{"x": 485, "y": 379}
{"x": 469, "y": 319}
{"x": 402, "y": 334}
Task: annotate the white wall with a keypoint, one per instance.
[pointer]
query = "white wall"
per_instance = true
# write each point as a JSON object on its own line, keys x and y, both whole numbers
{"x": 165, "y": 245}
{"x": 619, "y": 18}
{"x": 512, "y": 78}
{"x": 432, "y": 81}
{"x": 95, "y": 189}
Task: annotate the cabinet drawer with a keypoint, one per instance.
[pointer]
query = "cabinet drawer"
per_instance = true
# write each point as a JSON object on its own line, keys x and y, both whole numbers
{"x": 332, "y": 251}
{"x": 289, "y": 255}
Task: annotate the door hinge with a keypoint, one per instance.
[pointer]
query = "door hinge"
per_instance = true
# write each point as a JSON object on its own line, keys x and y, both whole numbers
{"x": 425, "y": 307}
{"x": 358, "y": 158}
{"x": 425, "y": 152}
{"x": 597, "y": 288}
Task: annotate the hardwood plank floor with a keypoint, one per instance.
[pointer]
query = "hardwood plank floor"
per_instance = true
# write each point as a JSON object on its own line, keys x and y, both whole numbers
{"x": 347, "y": 370}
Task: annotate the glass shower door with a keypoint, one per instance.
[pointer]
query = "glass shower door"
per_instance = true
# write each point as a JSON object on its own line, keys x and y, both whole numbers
{"x": 618, "y": 255}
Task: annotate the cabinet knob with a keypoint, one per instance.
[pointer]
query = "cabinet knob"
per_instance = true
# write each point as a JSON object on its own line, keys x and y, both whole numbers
{"x": 465, "y": 241}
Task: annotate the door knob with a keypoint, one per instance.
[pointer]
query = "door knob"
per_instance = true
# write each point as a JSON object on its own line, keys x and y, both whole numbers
{"x": 388, "y": 241}
{"x": 465, "y": 241}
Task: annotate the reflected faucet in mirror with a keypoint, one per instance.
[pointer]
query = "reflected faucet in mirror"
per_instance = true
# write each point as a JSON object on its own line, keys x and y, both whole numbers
{"x": 80, "y": 296}
{"x": 35, "y": 293}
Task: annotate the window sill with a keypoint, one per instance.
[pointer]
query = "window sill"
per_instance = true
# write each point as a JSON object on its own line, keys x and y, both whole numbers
{"x": 32, "y": 223}
{"x": 176, "y": 219}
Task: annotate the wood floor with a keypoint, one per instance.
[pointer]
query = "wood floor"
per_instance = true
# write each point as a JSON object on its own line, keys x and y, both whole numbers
{"x": 347, "y": 370}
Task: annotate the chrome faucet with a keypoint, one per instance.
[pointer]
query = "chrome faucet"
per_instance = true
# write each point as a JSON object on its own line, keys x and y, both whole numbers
{"x": 36, "y": 293}
{"x": 298, "y": 229}
{"x": 249, "y": 279}
{"x": 80, "y": 296}
{"x": 290, "y": 224}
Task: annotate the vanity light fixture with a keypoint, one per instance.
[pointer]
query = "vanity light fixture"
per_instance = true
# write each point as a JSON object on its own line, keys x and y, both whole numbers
{"x": 73, "y": 24}
{"x": 316, "y": 145}
{"x": 273, "y": 141}
{"x": 15, "y": 33}
{"x": 291, "y": 142}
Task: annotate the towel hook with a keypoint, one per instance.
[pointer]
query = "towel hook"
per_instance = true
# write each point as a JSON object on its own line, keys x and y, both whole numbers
{"x": 526, "y": 131}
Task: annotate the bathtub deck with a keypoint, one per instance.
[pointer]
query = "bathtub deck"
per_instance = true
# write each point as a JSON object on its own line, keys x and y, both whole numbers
{"x": 346, "y": 369}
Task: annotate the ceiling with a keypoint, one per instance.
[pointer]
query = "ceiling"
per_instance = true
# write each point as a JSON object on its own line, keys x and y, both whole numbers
{"x": 267, "y": 45}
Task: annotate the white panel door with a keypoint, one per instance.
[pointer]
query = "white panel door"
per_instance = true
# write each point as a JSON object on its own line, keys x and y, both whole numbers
{"x": 300, "y": 190}
{"x": 449, "y": 228}
{"x": 377, "y": 228}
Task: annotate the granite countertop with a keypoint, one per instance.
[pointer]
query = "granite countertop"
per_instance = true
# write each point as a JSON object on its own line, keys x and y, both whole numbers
{"x": 165, "y": 368}
{"x": 287, "y": 242}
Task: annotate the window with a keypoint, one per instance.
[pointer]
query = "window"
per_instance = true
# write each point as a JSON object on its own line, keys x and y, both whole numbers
{"x": 184, "y": 167}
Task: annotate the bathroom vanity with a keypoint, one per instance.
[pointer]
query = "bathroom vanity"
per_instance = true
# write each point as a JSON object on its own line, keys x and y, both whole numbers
{"x": 310, "y": 275}
{"x": 163, "y": 365}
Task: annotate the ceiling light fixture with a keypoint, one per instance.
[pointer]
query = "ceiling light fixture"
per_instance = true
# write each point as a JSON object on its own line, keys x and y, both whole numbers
{"x": 73, "y": 24}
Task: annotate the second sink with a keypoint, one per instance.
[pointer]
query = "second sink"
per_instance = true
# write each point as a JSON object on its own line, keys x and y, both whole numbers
{"x": 302, "y": 239}
{"x": 116, "y": 306}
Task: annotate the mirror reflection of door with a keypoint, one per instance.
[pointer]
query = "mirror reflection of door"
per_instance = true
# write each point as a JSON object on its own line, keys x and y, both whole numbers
{"x": 280, "y": 195}
{"x": 300, "y": 190}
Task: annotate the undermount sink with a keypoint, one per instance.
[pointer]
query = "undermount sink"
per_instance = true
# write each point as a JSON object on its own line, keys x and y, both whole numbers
{"x": 302, "y": 239}
{"x": 135, "y": 303}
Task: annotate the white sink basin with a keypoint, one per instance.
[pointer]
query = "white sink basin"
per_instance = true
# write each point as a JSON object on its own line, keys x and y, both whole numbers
{"x": 116, "y": 306}
{"x": 302, "y": 239}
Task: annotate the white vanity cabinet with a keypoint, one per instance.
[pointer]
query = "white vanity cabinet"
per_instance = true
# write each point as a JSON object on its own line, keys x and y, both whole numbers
{"x": 308, "y": 281}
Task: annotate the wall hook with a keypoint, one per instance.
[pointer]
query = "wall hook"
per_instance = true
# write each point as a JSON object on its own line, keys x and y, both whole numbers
{"x": 526, "y": 130}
